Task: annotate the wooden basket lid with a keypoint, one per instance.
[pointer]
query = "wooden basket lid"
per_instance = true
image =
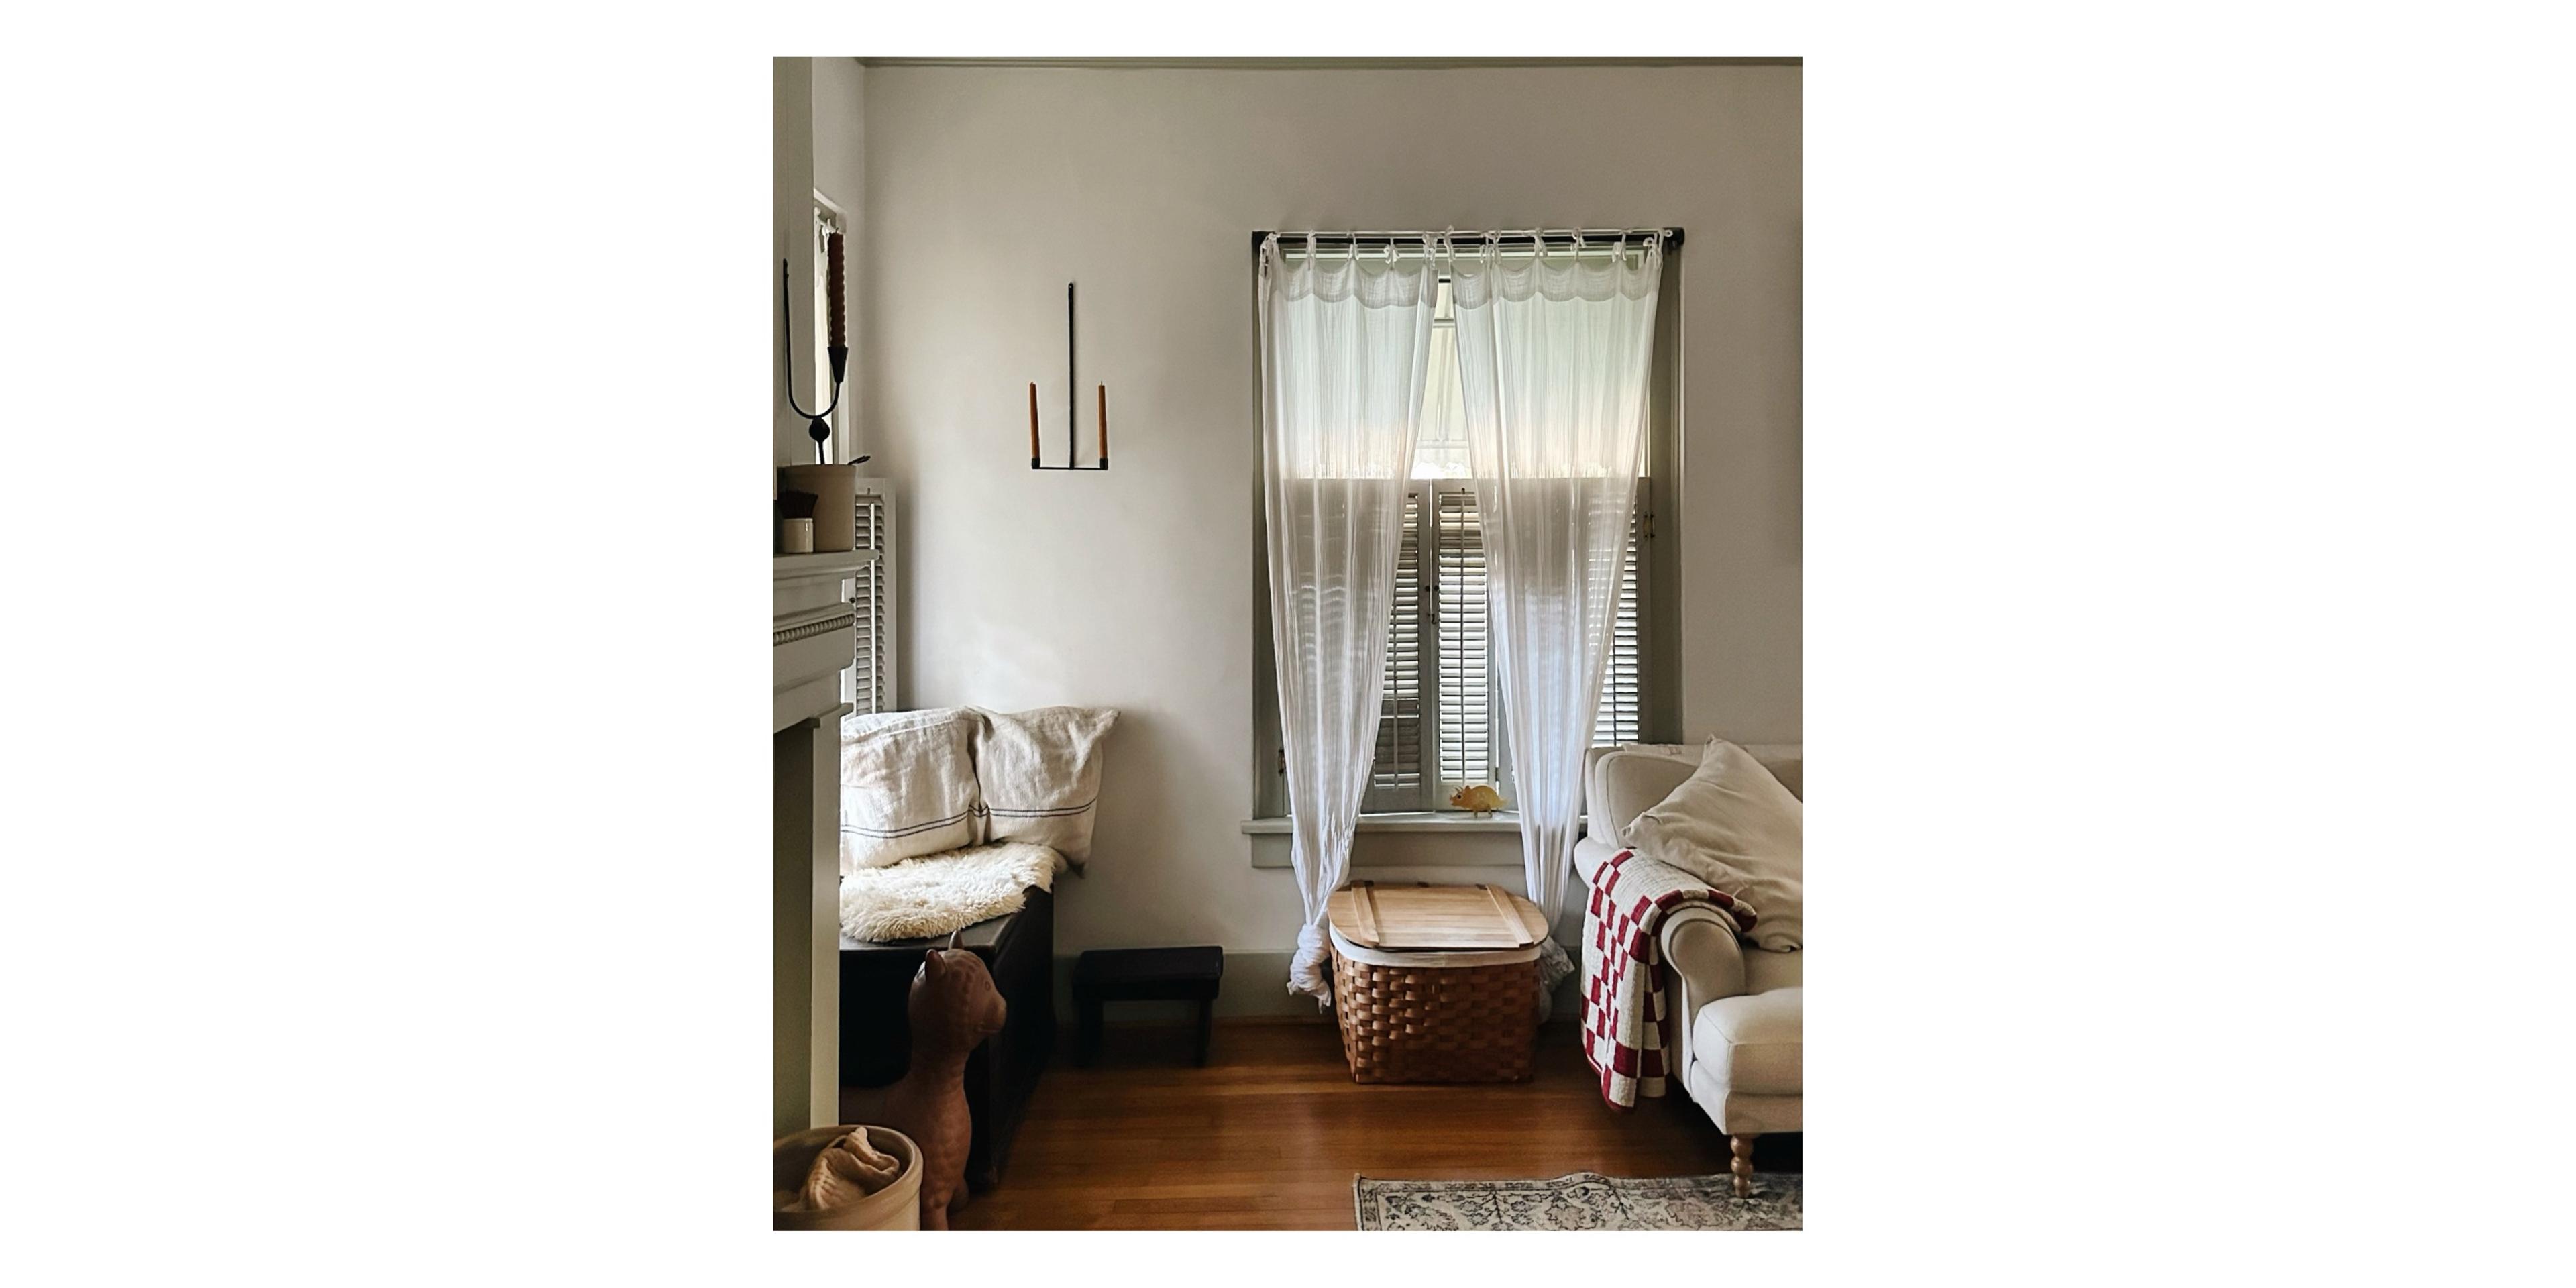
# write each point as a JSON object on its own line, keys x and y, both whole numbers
{"x": 1434, "y": 917}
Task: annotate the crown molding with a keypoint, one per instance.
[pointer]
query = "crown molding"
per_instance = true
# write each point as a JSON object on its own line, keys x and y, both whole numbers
{"x": 1320, "y": 64}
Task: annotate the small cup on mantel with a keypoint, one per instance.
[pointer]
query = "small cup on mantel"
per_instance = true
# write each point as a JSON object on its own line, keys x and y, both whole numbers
{"x": 797, "y": 537}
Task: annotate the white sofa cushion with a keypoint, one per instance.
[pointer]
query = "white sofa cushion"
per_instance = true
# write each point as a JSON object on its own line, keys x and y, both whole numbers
{"x": 1768, "y": 971}
{"x": 1752, "y": 1045}
{"x": 907, "y": 786}
{"x": 1040, "y": 772}
{"x": 1622, "y": 782}
{"x": 1736, "y": 827}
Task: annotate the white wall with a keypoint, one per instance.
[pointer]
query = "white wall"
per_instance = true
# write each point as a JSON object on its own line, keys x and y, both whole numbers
{"x": 818, "y": 144}
{"x": 791, "y": 157}
{"x": 840, "y": 174}
{"x": 990, "y": 188}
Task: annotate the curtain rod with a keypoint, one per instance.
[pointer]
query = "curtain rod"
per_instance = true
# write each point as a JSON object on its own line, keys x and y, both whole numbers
{"x": 1672, "y": 236}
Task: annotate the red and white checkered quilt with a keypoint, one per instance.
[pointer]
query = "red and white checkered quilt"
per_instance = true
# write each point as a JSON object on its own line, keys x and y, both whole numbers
{"x": 1626, "y": 1028}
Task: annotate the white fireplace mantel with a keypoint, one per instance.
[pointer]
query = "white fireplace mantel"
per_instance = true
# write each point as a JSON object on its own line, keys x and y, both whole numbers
{"x": 812, "y": 635}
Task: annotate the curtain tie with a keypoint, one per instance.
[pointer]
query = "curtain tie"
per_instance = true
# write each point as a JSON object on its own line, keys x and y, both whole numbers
{"x": 1305, "y": 971}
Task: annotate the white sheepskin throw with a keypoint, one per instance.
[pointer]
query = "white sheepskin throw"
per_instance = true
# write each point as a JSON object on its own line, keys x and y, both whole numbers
{"x": 937, "y": 893}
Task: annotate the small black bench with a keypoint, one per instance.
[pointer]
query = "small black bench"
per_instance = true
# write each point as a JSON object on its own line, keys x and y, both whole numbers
{"x": 1146, "y": 975}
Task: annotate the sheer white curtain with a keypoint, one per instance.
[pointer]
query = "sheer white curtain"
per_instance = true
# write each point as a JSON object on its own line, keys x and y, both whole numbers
{"x": 1553, "y": 351}
{"x": 1345, "y": 341}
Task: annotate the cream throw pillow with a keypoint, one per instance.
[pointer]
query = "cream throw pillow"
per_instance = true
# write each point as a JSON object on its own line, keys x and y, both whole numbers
{"x": 1732, "y": 825}
{"x": 907, "y": 786}
{"x": 1041, "y": 775}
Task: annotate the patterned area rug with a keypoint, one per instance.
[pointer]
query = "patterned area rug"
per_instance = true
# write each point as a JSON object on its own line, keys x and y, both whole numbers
{"x": 1582, "y": 1201}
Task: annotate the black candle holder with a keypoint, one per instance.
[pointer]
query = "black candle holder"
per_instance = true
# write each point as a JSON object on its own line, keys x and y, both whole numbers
{"x": 818, "y": 424}
{"x": 1072, "y": 421}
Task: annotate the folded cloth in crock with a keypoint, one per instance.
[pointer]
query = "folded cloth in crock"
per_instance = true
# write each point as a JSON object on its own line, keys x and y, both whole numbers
{"x": 847, "y": 1170}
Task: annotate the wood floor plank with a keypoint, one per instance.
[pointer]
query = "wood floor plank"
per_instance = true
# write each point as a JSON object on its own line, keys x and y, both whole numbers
{"x": 1272, "y": 1132}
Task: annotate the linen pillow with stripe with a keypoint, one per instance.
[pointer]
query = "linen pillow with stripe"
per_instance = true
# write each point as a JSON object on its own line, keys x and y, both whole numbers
{"x": 1736, "y": 827}
{"x": 1041, "y": 775}
{"x": 907, "y": 785}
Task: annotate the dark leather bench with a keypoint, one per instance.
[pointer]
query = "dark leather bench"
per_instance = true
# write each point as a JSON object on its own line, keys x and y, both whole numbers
{"x": 876, "y": 1038}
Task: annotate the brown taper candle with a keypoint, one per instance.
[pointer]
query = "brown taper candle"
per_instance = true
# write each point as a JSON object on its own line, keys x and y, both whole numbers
{"x": 832, "y": 292}
{"x": 1033, "y": 424}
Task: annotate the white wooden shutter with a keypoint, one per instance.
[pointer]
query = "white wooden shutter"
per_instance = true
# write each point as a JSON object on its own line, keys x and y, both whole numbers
{"x": 872, "y": 673}
{"x": 1468, "y": 745}
{"x": 1396, "y": 772}
{"x": 1622, "y": 714}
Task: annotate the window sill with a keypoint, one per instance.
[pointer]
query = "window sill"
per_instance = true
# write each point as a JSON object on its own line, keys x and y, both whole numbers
{"x": 1418, "y": 821}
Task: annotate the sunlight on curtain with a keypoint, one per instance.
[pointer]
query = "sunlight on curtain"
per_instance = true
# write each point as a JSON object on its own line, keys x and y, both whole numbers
{"x": 1345, "y": 343}
{"x": 1554, "y": 352}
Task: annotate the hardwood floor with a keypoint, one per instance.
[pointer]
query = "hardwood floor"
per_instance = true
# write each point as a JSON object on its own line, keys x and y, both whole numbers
{"x": 1269, "y": 1135}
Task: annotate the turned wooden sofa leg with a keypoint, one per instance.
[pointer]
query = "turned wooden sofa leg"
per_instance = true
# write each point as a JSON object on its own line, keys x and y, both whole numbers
{"x": 1742, "y": 1165}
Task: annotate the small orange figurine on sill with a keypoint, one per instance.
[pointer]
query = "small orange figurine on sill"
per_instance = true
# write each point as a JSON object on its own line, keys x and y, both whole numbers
{"x": 1478, "y": 797}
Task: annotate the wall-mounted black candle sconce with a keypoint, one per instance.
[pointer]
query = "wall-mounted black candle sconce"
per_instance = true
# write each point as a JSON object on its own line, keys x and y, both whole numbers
{"x": 1071, "y": 421}
{"x": 818, "y": 423}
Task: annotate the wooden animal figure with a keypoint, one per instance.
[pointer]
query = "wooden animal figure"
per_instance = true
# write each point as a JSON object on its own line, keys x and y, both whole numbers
{"x": 953, "y": 1008}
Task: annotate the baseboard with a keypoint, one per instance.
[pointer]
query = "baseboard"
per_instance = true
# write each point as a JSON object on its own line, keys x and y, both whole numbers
{"x": 1256, "y": 985}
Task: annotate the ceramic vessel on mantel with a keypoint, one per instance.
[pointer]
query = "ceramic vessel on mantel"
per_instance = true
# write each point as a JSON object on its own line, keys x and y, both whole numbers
{"x": 835, "y": 489}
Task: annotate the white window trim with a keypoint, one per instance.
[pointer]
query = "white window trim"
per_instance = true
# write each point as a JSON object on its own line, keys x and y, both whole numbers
{"x": 829, "y": 218}
{"x": 1406, "y": 821}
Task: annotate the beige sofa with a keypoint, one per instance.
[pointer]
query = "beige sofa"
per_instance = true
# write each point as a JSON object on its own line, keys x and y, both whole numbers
{"x": 1736, "y": 1007}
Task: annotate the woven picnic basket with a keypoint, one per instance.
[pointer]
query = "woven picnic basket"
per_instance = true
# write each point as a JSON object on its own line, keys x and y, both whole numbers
{"x": 1435, "y": 983}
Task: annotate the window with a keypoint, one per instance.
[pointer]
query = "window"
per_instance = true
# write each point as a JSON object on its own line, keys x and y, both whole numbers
{"x": 1440, "y": 724}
